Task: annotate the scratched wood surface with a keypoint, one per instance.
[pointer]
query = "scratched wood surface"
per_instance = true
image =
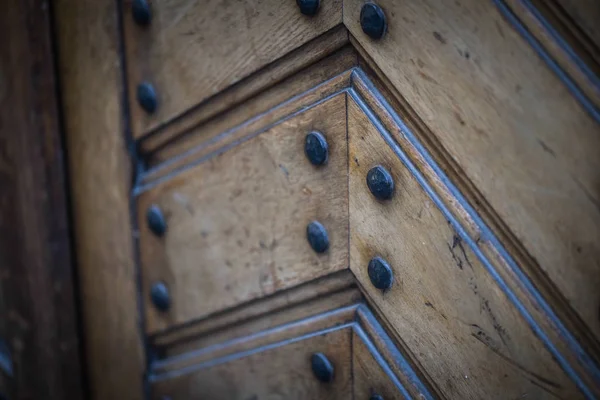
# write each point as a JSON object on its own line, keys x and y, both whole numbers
{"x": 282, "y": 372}
{"x": 237, "y": 222}
{"x": 100, "y": 179}
{"x": 444, "y": 305}
{"x": 509, "y": 124}
{"x": 191, "y": 50}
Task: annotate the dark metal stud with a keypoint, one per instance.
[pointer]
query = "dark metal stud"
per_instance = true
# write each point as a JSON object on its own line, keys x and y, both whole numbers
{"x": 308, "y": 7}
{"x": 322, "y": 368}
{"x": 372, "y": 21}
{"x": 317, "y": 237}
{"x": 376, "y": 397}
{"x": 140, "y": 10}
{"x": 380, "y": 183}
{"x": 159, "y": 294}
{"x": 380, "y": 273}
{"x": 156, "y": 220}
{"x": 316, "y": 148}
{"x": 146, "y": 96}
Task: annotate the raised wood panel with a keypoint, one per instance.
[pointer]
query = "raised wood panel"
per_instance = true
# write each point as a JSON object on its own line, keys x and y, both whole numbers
{"x": 191, "y": 50}
{"x": 369, "y": 378}
{"x": 509, "y": 123}
{"x": 283, "y": 372}
{"x": 237, "y": 221}
{"x": 445, "y": 306}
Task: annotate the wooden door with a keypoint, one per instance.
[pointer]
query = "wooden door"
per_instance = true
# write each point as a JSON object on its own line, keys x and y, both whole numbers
{"x": 335, "y": 199}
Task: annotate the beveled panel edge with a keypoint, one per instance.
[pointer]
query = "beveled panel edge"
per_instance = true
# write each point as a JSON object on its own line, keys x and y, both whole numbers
{"x": 356, "y": 317}
{"x": 250, "y": 128}
{"x": 577, "y": 363}
{"x": 268, "y": 76}
{"x": 559, "y": 54}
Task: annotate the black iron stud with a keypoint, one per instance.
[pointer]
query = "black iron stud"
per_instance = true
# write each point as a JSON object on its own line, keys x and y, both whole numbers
{"x": 159, "y": 294}
{"x": 372, "y": 21}
{"x": 376, "y": 397}
{"x": 322, "y": 368}
{"x": 308, "y": 7}
{"x": 380, "y": 183}
{"x": 146, "y": 96}
{"x": 317, "y": 237}
{"x": 140, "y": 10}
{"x": 380, "y": 273}
{"x": 156, "y": 220}
{"x": 316, "y": 148}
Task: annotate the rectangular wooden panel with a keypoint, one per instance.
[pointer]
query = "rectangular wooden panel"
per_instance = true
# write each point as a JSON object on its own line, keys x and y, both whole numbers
{"x": 282, "y": 372}
{"x": 444, "y": 304}
{"x": 510, "y": 125}
{"x": 192, "y": 49}
{"x": 237, "y": 221}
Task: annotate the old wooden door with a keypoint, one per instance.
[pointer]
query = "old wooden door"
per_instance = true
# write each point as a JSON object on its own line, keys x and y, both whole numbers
{"x": 335, "y": 199}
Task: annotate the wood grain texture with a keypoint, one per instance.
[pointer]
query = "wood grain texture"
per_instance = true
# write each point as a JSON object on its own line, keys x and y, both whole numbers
{"x": 38, "y": 318}
{"x": 262, "y": 90}
{"x": 339, "y": 288}
{"x": 100, "y": 176}
{"x": 194, "y": 49}
{"x": 508, "y": 122}
{"x": 559, "y": 39}
{"x": 305, "y": 88}
{"x": 368, "y": 377}
{"x": 275, "y": 373}
{"x": 237, "y": 221}
{"x": 444, "y": 305}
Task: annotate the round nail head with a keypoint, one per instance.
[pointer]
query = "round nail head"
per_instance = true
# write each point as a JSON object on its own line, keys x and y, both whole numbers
{"x": 380, "y": 183}
{"x": 308, "y": 7}
{"x": 380, "y": 273}
{"x": 316, "y": 148}
{"x": 146, "y": 96}
{"x": 159, "y": 294}
{"x": 140, "y": 10}
{"x": 317, "y": 237}
{"x": 322, "y": 368}
{"x": 156, "y": 220}
{"x": 372, "y": 21}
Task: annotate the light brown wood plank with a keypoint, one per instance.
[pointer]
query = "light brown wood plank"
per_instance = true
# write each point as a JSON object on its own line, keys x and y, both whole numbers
{"x": 192, "y": 50}
{"x": 262, "y": 87}
{"x": 444, "y": 305}
{"x": 280, "y": 372}
{"x": 315, "y": 83}
{"x": 507, "y": 121}
{"x": 237, "y": 222}
{"x": 368, "y": 377}
{"x": 271, "y": 307}
{"x": 100, "y": 176}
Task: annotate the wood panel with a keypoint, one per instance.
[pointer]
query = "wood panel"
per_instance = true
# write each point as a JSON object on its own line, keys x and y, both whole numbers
{"x": 301, "y": 90}
{"x": 314, "y": 62}
{"x": 509, "y": 123}
{"x": 237, "y": 221}
{"x": 100, "y": 177}
{"x": 444, "y": 305}
{"x": 281, "y": 372}
{"x": 39, "y": 332}
{"x": 369, "y": 378}
{"x": 191, "y": 50}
